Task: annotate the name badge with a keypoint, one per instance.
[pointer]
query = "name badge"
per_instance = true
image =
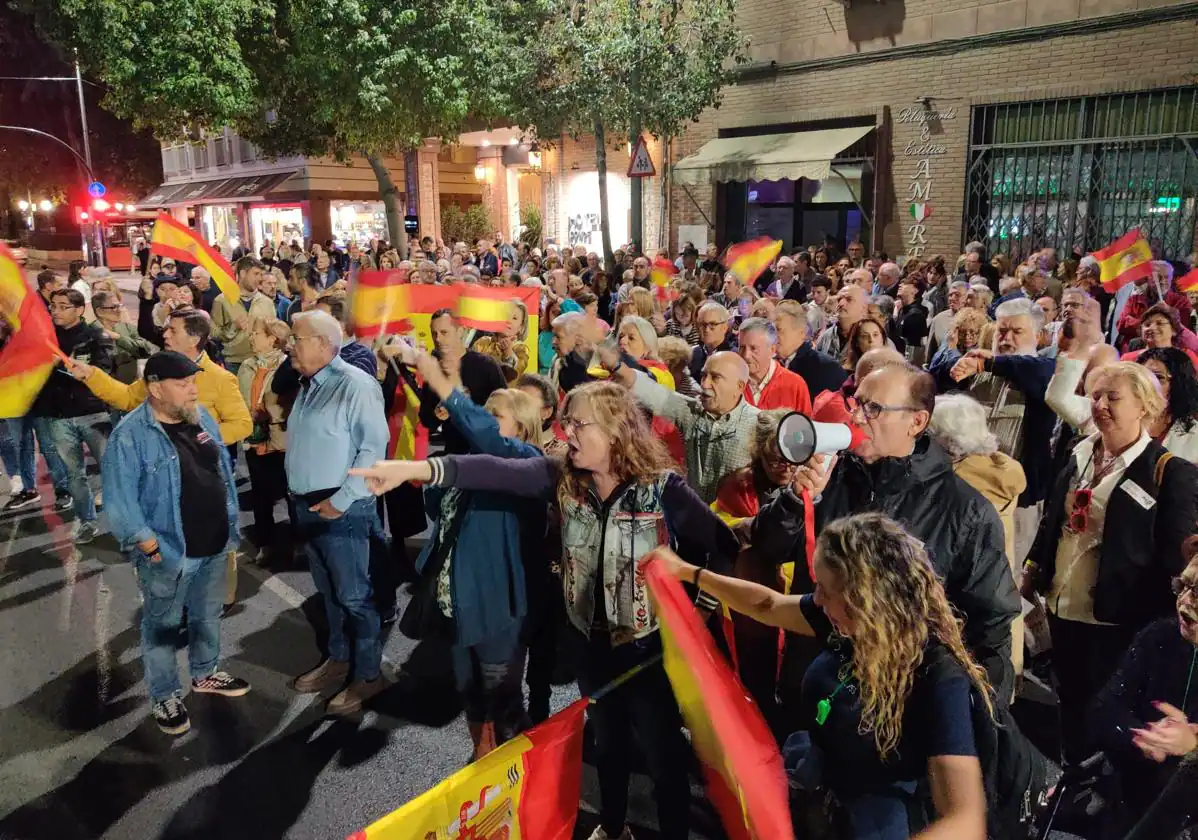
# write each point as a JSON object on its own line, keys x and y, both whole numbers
{"x": 1137, "y": 493}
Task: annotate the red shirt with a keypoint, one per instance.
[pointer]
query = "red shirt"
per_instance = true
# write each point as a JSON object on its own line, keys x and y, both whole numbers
{"x": 784, "y": 389}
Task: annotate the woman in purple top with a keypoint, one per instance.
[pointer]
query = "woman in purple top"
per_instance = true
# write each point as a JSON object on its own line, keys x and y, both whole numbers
{"x": 617, "y": 498}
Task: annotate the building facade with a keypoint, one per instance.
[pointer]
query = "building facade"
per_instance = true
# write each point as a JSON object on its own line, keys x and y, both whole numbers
{"x": 919, "y": 126}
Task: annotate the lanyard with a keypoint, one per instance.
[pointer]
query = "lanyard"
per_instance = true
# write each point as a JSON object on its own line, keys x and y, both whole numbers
{"x": 824, "y": 707}
{"x": 1189, "y": 681}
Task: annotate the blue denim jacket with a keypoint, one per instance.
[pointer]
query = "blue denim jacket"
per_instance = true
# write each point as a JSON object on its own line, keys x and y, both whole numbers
{"x": 142, "y": 485}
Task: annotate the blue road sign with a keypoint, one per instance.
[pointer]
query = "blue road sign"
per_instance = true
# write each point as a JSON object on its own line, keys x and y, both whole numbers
{"x": 96, "y": 190}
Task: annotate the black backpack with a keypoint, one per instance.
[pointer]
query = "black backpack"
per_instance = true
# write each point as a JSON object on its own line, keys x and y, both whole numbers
{"x": 1014, "y": 772}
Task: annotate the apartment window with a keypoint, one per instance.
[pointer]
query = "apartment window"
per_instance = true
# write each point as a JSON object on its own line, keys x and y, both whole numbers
{"x": 199, "y": 155}
{"x": 1081, "y": 172}
{"x": 220, "y": 148}
{"x": 247, "y": 152}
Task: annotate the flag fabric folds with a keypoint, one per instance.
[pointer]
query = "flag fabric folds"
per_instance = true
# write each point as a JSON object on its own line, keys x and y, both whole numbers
{"x": 1188, "y": 282}
{"x": 527, "y": 789}
{"x": 662, "y": 274}
{"x": 1126, "y": 260}
{"x": 409, "y": 437}
{"x": 748, "y": 259}
{"x": 171, "y": 239}
{"x": 29, "y": 356}
{"x": 485, "y": 308}
{"x": 746, "y": 780}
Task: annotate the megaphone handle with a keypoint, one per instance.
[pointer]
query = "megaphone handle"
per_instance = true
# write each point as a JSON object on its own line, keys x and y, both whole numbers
{"x": 809, "y": 532}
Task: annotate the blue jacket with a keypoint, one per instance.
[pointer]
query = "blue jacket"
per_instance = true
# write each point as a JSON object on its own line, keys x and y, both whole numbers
{"x": 487, "y": 581}
{"x": 142, "y": 485}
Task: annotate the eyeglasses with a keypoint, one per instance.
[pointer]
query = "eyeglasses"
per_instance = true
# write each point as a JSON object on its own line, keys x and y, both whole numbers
{"x": 64, "y": 307}
{"x": 1181, "y": 587}
{"x": 114, "y": 307}
{"x": 571, "y": 425}
{"x": 871, "y": 410}
{"x": 710, "y": 325}
{"x": 1079, "y": 516}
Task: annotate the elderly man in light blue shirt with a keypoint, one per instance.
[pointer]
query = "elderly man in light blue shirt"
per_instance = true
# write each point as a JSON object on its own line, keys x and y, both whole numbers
{"x": 337, "y": 423}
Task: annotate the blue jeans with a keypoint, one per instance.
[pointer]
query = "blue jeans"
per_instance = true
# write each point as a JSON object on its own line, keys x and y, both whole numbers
{"x": 488, "y": 677}
{"x": 68, "y": 434}
{"x": 45, "y": 442}
{"x": 17, "y": 450}
{"x": 339, "y": 556}
{"x": 197, "y": 583}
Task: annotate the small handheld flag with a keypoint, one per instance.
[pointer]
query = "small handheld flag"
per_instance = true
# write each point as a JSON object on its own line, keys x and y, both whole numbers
{"x": 171, "y": 239}
{"x": 748, "y": 259}
{"x": 662, "y": 274}
{"x": 1126, "y": 260}
{"x": 1188, "y": 282}
{"x": 28, "y": 358}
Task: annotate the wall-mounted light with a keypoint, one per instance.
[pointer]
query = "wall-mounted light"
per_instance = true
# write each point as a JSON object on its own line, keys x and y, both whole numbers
{"x": 534, "y": 160}
{"x": 480, "y": 173}
{"x": 119, "y": 206}
{"x": 130, "y": 208}
{"x": 486, "y": 143}
{"x": 45, "y": 205}
{"x": 22, "y": 205}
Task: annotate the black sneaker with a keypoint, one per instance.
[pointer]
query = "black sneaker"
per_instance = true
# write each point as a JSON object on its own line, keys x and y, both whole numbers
{"x": 85, "y": 532}
{"x": 218, "y": 682}
{"x": 22, "y": 500}
{"x": 171, "y": 715}
{"x": 63, "y": 500}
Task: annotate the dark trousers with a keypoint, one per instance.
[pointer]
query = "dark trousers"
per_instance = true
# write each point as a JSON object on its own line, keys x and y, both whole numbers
{"x": 404, "y": 507}
{"x": 488, "y": 678}
{"x": 546, "y": 614}
{"x": 643, "y": 707}
{"x": 1084, "y": 657}
{"x": 268, "y": 484}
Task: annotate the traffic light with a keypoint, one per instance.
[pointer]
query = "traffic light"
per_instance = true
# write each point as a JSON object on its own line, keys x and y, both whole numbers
{"x": 100, "y": 205}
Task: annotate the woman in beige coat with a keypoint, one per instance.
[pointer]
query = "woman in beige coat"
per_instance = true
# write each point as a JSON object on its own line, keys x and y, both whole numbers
{"x": 959, "y": 426}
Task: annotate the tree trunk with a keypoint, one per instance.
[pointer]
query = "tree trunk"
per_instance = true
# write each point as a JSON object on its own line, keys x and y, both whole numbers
{"x": 390, "y": 195}
{"x": 609, "y": 258}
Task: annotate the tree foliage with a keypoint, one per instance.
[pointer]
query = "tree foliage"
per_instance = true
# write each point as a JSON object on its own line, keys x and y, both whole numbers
{"x": 467, "y": 226}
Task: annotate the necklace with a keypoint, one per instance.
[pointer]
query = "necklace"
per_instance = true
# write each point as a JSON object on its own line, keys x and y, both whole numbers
{"x": 1189, "y": 681}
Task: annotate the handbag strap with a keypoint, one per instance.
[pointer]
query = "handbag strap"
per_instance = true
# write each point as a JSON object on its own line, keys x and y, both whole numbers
{"x": 1158, "y": 473}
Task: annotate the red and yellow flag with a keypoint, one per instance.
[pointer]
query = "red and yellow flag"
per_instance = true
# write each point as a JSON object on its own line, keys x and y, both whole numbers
{"x": 1126, "y": 260}
{"x": 745, "y": 776}
{"x": 179, "y": 242}
{"x": 409, "y": 437}
{"x": 528, "y": 789}
{"x": 489, "y": 308}
{"x": 748, "y": 259}
{"x": 1188, "y": 282}
{"x": 662, "y": 274}
{"x": 29, "y": 356}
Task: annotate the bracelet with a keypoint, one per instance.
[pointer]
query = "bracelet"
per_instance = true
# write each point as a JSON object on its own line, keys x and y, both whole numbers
{"x": 698, "y": 571}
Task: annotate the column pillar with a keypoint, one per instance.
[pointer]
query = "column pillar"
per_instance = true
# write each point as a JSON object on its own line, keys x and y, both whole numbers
{"x": 429, "y": 180}
{"x": 495, "y": 189}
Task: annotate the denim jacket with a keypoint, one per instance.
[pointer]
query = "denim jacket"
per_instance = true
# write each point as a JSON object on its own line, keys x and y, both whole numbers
{"x": 142, "y": 484}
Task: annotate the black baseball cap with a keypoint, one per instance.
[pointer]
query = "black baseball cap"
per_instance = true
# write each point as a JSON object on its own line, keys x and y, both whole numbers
{"x": 169, "y": 365}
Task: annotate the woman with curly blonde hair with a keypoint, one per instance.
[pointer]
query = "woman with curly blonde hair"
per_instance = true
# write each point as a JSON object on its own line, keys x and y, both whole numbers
{"x": 889, "y": 698}
{"x": 618, "y": 498}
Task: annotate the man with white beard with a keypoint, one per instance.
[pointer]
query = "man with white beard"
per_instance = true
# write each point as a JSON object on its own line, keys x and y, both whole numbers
{"x": 171, "y": 503}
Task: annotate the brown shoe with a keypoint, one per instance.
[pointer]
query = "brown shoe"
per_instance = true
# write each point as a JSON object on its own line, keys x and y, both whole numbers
{"x": 350, "y": 699}
{"x": 325, "y": 675}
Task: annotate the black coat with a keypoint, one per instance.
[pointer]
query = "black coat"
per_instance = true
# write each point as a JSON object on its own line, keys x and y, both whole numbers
{"x": 65, "y": 396}
{"x": 480, "y": 376}
{"x": 819, "y": 370}
{"x": 961, "y": 530}
{"x": 1141, "y": 549}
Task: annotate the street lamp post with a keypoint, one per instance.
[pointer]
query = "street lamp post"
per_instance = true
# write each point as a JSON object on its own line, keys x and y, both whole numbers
{"x": 96, "y": 252}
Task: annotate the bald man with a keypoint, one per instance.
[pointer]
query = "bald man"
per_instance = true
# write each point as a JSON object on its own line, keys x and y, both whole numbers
{"x": 717, "y": 428}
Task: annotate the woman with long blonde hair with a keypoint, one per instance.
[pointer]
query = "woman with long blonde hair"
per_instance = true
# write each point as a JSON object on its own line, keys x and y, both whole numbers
{"x": 888, "y": 700}
{"x": 618, "y": 498}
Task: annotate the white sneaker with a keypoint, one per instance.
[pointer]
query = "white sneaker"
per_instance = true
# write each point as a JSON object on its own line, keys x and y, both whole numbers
{"x": 600, "y": 834}
{"x": 16, "y": 485}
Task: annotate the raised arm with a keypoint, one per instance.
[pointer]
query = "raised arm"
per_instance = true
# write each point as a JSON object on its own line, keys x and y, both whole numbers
{"x": 529, "y": 477}
{"x": 1062, "y": 396}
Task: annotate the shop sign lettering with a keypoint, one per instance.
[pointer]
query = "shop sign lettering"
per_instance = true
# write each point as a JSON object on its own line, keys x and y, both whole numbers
{"x": 919, "y": 190}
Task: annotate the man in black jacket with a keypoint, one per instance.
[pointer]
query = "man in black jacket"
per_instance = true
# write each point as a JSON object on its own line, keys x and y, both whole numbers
{"x": 477, "y": 375}
{"x": 901, "y": 472}
{"x": 819, "y": 370}
{"x": 74, "y": 415}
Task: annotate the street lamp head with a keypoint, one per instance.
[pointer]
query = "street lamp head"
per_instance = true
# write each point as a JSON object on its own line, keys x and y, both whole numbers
{"x": 45, "y": 205}
{"x": 22, "y": 205}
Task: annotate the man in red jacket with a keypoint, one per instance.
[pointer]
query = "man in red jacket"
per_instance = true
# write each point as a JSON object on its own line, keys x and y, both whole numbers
{"x": 770, "y": 384}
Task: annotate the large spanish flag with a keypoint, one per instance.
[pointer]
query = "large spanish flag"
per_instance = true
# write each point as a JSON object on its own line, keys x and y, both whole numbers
{"x": 745, "y": 776}
{"x": 1126, "y": 260}
{"x": 179, "y": 242}
{"x": 528, "y": 789}
{"x": 29, "y": 356}
{"x": 489, "y": 308}
{"x": 748, "y": 259}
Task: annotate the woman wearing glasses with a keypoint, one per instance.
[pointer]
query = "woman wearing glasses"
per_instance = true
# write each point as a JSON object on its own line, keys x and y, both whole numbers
{"x": 1110, "y": 539}
{"x": 1145, "y": 717}
{"x": 617, "y": 499}
{"x": 1177, "y": 426}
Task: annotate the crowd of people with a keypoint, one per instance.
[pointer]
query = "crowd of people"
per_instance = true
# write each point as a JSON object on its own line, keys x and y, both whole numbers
{"x": 1002, "y": 410}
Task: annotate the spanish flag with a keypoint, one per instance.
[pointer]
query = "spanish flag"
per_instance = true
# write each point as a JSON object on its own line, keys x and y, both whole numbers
{"x": 1188, "y": 282}
{"x": 746, "y": 780}
{"x": 28, "y": 358}
{"x": 1124, "y": 261}
{"x": 171, "y": 239}
{"x": 748, "y": 259}
{"x": 409, "y": 437}
{"x": 527, "y": 789}
{"x": 489, "y": 308}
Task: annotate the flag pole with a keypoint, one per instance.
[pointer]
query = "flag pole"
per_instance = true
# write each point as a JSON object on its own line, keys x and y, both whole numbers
{"x": 605, "y": 690}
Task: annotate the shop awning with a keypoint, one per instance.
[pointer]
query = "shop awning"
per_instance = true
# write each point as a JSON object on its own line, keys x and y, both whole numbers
{"x": 768, "y": 157}
{"x": 223, "y": 190}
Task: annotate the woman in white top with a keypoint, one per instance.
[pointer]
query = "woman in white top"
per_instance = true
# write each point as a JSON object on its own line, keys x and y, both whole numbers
{"x": 1177, "y": 426}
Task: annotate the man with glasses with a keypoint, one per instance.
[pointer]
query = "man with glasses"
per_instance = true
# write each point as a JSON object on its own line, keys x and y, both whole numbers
{"x": 713, "y": 322}
{"x": 900, "y": 471}
{"x": 128, "y": 345}
{"x": 71, "y": 414}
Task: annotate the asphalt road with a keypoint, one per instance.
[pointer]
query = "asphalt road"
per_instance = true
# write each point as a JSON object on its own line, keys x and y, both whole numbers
{"x": 81, "y": 760}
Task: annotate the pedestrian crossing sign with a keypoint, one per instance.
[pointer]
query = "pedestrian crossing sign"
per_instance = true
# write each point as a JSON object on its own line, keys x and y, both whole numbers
{"x": 640, "y": 165}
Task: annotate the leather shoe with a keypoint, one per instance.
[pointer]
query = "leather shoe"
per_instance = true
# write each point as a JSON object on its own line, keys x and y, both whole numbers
{"x": 325, "y": 675}
{"x": 351, "y": 698}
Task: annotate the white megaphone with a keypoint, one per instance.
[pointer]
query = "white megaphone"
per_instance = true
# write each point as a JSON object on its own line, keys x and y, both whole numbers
{"x": 800, "y": 437}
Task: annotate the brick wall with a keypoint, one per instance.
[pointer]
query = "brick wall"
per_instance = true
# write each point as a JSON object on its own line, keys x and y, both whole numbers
{"x": 1137, "y": 58}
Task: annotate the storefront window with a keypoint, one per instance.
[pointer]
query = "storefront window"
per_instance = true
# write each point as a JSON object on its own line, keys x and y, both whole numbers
{"x": 221, "y": 227}
{"x": 358, "y": 221}
{"x": 276, "y": 225}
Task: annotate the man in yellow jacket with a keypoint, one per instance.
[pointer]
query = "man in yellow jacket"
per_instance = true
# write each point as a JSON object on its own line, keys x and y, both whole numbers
{"x": 187, "y": 332}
